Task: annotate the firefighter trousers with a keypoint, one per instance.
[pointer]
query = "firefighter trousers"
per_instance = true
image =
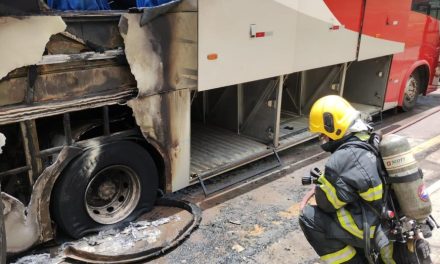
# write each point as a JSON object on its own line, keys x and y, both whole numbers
{"x": 330, "y": 241}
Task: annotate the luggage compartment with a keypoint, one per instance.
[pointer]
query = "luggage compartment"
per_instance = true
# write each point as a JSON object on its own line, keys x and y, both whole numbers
{"x": 365, "y": 84}
{"x": 238, "y": 124}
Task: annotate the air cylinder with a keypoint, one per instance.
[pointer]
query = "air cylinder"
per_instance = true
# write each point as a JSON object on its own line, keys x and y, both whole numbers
{"x": 402, "y": 167}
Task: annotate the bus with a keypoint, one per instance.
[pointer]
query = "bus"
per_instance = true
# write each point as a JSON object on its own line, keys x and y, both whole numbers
{"x": 103, "y": 108}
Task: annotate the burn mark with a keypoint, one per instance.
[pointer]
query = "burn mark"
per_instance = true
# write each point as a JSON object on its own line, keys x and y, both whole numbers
{"x": 28, "y": 225}
{"x": 165, "y": 120}
{"x": 176, "y": 36}
{"x": 145, "y": 63}
{"x": 162, "y": 64}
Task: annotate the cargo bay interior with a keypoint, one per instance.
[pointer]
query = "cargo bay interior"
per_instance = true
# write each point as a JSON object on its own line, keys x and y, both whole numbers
{"x": 241, "y": 123}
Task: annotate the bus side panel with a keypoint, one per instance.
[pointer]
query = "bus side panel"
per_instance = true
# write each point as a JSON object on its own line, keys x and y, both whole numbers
{"x": 421, "y": 47}
{"x": 321, "y": 38}
{"x": 383, "y": 27}
{"x": 245, "y": 41}
{"x": 225, "y": 30}
{"x": 164, "y": 120}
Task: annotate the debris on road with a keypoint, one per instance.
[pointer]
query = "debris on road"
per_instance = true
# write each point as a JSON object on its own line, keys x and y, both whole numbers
{"x": 238, "y": 248}
{"x": 113, "y": 241}
{"x": 155, "y": 232}
{"x": 110, "y": 242}
{"x": 39, "y": 259}
{"x": 234, "y": 221}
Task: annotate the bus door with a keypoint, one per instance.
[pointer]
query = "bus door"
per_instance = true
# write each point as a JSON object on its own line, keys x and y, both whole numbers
{"x": 384, "y": 27}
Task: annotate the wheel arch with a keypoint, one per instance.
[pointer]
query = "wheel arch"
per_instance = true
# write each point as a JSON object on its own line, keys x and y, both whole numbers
{"x": 45, "y": 218}
{"x": 423, "y": 69}
{"x": 160, "y": 159}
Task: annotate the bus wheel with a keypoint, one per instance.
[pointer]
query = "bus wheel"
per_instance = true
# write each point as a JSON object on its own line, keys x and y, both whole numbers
{"x": 103, "y": 188}
{"x": 412, "y": 90}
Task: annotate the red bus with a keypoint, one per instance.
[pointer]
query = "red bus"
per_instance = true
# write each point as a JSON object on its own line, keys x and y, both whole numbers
{"x": 417, "y": 65}
{"x": 412, "y": 70}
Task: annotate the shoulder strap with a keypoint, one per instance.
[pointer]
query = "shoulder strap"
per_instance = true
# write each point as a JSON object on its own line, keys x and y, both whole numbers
{"x": 362, "y": 145}
{"x": 373, "y": 146}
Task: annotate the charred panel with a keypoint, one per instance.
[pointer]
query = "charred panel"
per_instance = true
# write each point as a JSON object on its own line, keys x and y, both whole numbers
{"x": 19, "y": 7}
{"x": 98, "y": 32}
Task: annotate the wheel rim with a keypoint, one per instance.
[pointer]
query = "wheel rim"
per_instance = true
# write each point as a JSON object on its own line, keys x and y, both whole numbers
{"x": 411, "y": 90}
{"x": 112, "y": 194}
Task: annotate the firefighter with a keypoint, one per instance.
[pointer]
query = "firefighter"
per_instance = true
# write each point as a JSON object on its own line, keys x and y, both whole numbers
{"x": 348, "y": 193}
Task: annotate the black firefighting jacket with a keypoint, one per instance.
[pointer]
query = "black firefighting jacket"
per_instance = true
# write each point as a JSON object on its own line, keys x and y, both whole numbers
{"x": 351, "y": 180}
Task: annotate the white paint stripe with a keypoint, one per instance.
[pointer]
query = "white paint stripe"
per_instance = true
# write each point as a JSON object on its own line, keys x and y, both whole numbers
{"x": 422, "y": 147}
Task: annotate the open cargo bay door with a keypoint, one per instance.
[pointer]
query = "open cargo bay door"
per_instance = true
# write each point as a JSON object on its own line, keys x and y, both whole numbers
{"x": 384, "y": 27}
{"x": 242, "y": 41}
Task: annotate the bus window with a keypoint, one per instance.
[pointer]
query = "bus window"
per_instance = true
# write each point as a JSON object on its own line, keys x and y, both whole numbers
{"x": 420, "y": 6}
{"x": 426, "y": 7}
{"x": 435, "y": 9}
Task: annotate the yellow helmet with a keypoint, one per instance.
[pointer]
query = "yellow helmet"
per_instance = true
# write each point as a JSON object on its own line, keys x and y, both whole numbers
{"x": 332, "y": 115}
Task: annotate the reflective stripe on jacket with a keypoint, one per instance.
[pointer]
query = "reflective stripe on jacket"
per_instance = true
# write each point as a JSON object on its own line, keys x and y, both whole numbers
{"x": 350, "y": 176}
{"x": 340, "y": 256}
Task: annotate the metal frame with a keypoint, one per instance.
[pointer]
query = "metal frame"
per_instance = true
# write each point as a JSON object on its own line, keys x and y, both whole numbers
{"x": 261, "y": 100}
{"x": 276, "y": 137}
{"x": 31, "y": 149}
{"x": 33, "y": 153}
{"x": 343, "y": 75}
{"x": 240, "y": 110}
{"x": 330, "y": 77}
{"x": 296, "y": 103}
{"x": 85, "y": 56}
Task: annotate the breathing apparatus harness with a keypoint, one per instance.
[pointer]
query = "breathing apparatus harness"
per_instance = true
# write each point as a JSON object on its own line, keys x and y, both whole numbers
{"x": 401, "y": 229}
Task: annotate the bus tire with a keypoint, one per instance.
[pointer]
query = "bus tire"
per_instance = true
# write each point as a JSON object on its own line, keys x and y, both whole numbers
{"x": 411, "y": 92}
{"x": 103, "y": 188}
